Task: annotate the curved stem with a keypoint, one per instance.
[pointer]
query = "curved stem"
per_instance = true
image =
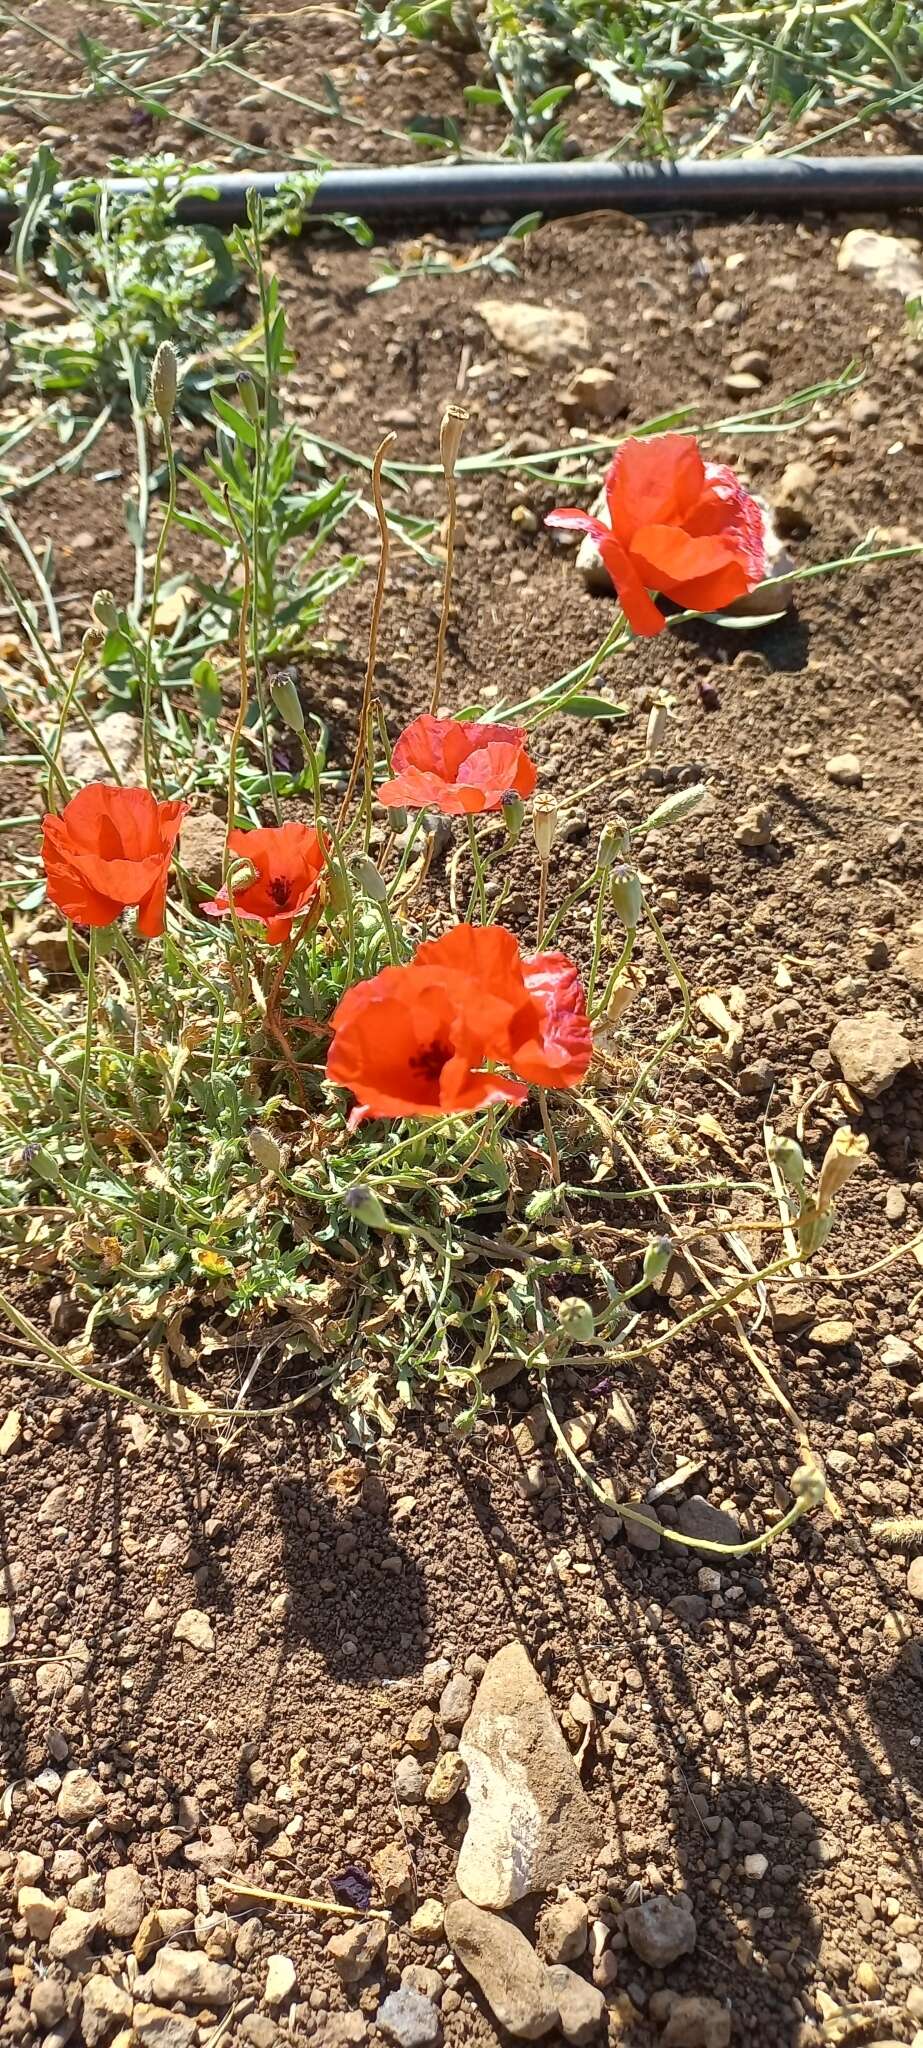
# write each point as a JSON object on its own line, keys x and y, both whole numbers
{"x": 148, "y": 680}
{"x": 362, "y": 738}
{"x": 88, "y": 1045}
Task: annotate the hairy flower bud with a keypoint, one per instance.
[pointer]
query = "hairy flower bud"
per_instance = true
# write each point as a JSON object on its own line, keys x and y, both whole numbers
{"x": 264, "y": 1150}
{"x": 164, "y": 379}
{"x": 287, "y": 701}
{"x": 625, "y": 896}
{"x": 787, "y": 1155}
{"x": 576, "y": 1319}
{"x": 544, "y": 825}
{"x": 656, "y": 1260}
{"x": 370, "y": 881}
{"x": 365, "y": 1206}
{"x": 249, "y": 396}
{"x": 240, "y": 875}
{"x": 613, "y": 842}
{"x": 514, "y": 811}
{"x": 814, "y": 1228}
{"x": 338, "y": 889}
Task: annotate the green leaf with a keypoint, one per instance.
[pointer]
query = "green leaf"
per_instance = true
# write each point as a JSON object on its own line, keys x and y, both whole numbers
{"x": 594, "y": 707}
{"x": 238, "y": 422}
{"x": 549, "y": 99}
{"x": 482, "y": 96}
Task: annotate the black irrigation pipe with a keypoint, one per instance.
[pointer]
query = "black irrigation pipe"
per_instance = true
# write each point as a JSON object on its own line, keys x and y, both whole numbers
{"x": 440, "y": 194}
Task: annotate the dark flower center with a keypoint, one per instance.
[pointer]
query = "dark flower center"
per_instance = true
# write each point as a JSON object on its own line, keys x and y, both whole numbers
{"x": 280, "y": 889}
{"x": 430, "y": 1060}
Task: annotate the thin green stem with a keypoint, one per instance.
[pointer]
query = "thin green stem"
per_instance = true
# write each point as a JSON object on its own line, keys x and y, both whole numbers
{"x": 621, "y": 967}
{"x": 86, "y": 1063}
{"x": 601, "y": 895}
{"x": 150, "y": 777}
{"x": 478, "y": 865}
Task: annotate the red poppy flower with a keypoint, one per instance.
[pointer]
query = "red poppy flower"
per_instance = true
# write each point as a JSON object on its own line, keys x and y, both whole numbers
{"x": 677, "y": 525}
{"x": 413, "y": 1041}
{"x": 289, "y": 861}
{"x": 407, "y": 1043}
{"x": 443, "y": 764}
{"x": 109, "y": 849}
{"x": 545, "y": 1036}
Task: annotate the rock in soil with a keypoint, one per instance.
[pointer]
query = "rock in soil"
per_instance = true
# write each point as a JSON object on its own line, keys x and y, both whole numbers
{"x": 201, "y": 849}
{"x": 697, "y": 2023}
{"x": 530, "y": 1823}
{"x": 915, "y": 1579}
{"x": 281, "y": 1980}
{"x": 185, "y": 1976}
{"x": 123, "y": 1903}
{"x": 581, "y": 2007}
{"x": 562, "y": 1933}
{"x": 80, "y": 1799}
{"x": 889, "y": 260}
{"x": 105, "y": 2005}
{"x": 871, "y": 1052}
{"x": 193, "y": 1627}
{"x": 505, "y": 1968}
{"x": 392, "y": 1870}
{"x": 409, "y": 2019}
{"x": 543, "y": 334}
{"x": 448, "y": 1779}
{"x": 660, "y": 1930}
{"x": 701, "y": 1522}
{"x": 356, "y": 1952}
{"x": 155, "y": 2027}
{"x": 844, "y": 769}
{"x": 39, "y": 1912}
{"x": 82, "y": 760}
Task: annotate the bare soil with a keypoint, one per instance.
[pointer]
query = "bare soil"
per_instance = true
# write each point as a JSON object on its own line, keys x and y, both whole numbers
{"x": 786, "y": 1721}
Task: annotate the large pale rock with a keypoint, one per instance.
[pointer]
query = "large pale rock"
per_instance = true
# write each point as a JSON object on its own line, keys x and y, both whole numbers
{"x": 543, "y": 334}
{"x": 83, "y": 760}
{"x": 660, "y": 1930}
{"x": 697, "y": 2023}
{"x": 80, "y": 1798}
{"x": 201, "y": 849}
{"x": 889, "y": 260}
{"x": 186, "y": 1976}
{"x": 870, "y": 1051}
{"x": 505, "y": 1968}
{"x": 106, "y": 2005}
{"x": 531, "y": 1825}
{"x": 123, "y": 1906}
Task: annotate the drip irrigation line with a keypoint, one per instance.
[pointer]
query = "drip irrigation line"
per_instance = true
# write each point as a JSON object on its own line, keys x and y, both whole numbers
{"x": 494, "y": 192}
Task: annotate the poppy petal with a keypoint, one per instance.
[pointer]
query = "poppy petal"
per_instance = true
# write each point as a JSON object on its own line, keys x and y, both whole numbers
{"x": 653, "y": 481}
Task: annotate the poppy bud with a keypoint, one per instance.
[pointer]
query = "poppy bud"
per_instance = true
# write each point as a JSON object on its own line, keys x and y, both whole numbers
{"x": 264, "y": 1150}
{"x": 249, "y": 397}
{"x": 577, "y": 1320}
{"x": 656, "y": 726}
{"x": 613, "y": 841}
{"x": 366, "y": 1207}
{"x": 287, "y": 701}
{"x": 93, "y": 640}
{"x": 105, "y": 611}
{"x": 164, "y": 376}
{"x": 368, "y": 879}
{"x": 514, "y": 811}
{"x": 544, "y": 825}
{"x": 847, "y": 1150}
{"x": 454, "y": 421}
{"x": 656, "y": 1260}
{"x": 339, "y": 891}
{"x": 625, "y": 896}
{"x": 787, "y": 1155}
{"x": 397, "y": 819}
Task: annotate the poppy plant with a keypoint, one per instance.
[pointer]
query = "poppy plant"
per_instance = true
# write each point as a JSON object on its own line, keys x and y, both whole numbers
{"x": 414, "y": 1040}
{"x": 444, "y": 764}
{"x": 110, "y": 850}
{"x": 289, "y": 861}
{"x": 677, "y": 525}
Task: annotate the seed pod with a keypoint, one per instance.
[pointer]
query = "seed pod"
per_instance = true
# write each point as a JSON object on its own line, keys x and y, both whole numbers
{"x": 576, "y": 1319}
{"x": 338, "y": 889}
{"x": 656, "y": 1260}
{"x": 514, "y": 811}
{"x": 625, "y": 896}
{"x": 454, "y": 421}
{"x": 164, "y": 378}
{"x": 287, "y": 701}
{"x": 544, "y": 825}
{"x": 105, "y": 611}
{"x": 613, "y": 842}
{"x": 370, "y": 881}
{"x": 94, "y": 638}
{"x": 847, "y": 1150}
{"x": 366, "y": 1207}
{"x": 264, "y": 1150}
{"x": 787, "y": 1155}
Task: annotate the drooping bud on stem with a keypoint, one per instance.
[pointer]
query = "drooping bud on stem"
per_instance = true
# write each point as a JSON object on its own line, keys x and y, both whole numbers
{"x": 846, "y": 1151}
{"x": 338, "y": 889}
{"x": 240, "y": 875}
{"x": 164, "y": 378}
{"x": 514, "y": 811}
{"x": 370, "y": 881}
{"x": 249, "y": 396}
{"x": 365, "y": 1206}
{"x": 656, "y": 1260}
{"x": 264, "y": 1149}
{"x": 625, "y": 896}
{"x": 287, "y": 701}
{"x": 787, "y": 1155}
